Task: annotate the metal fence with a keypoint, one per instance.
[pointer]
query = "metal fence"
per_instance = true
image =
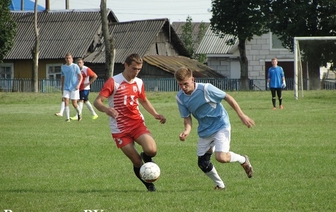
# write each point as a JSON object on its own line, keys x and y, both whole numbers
{"x": 151, "y": 84}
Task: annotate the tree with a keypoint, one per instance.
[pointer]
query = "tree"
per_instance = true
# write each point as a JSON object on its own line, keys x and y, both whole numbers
{"x": 187, "y": 37}
{"x": 109, "y": 42}
{"x": 290, "y": 18}
{"x": 202, "y": 29}
{"x": 36, "y": 50}
{"x": 242, "y": 19}
{"x": 7, "y": 29}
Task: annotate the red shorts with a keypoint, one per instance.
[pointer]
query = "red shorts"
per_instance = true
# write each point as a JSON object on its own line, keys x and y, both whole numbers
{"x": 122, "y": 139}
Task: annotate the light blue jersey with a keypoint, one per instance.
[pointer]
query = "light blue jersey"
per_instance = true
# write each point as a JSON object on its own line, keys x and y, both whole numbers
{"x": 70, "y": 74}
{"x": 275, "y": 74}
{"x": 204, "y": 103}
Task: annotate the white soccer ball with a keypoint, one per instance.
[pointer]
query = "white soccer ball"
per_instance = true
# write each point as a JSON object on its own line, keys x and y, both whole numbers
{"x": 149, "y": 172}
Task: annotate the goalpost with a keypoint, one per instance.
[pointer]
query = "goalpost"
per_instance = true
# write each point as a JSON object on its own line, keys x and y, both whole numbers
{"x": 298, "y": 74}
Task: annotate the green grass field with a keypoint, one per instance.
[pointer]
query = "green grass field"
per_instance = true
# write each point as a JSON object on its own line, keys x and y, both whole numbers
{"x": 47, "y": 164}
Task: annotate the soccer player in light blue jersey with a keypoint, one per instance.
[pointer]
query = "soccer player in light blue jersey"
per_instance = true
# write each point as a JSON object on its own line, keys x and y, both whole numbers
{"x": 276, "y": 82}
{"x": 203, "y": 102}
{"x": 71, "y": 79}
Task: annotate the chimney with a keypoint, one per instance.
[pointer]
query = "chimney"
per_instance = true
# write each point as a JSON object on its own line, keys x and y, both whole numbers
{"x": 67, "y": 4}
{"x": 47, "y": 5}
{"x": 22, "y": 5}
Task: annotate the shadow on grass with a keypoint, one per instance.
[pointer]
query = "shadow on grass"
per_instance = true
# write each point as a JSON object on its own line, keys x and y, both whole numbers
{"x": 97, "y": 191}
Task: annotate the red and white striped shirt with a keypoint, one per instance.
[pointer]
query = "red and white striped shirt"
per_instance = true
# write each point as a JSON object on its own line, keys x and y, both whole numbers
{"x": 123, "y": 97}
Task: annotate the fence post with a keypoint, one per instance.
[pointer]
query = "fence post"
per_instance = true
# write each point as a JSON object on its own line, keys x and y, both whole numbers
{"x": 42, "y": 86}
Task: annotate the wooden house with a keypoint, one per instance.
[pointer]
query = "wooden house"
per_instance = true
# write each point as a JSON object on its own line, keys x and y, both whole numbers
{"x": 79, "y": 32}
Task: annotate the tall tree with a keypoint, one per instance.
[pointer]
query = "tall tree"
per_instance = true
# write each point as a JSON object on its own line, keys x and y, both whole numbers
{"x": 109, "y": 42}
{"x": 242, "y": 19}
{"x": 201, "y": 32}
{"x": 290, "y": 18}
{"x": 7, "y": 29}
{"x": 191, "y": 41}
{"x": 187, "y": 36}
{"x": 36, "y": 50}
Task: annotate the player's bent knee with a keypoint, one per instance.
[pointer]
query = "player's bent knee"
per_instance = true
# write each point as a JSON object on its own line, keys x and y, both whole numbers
{"x": 204, "y": 163}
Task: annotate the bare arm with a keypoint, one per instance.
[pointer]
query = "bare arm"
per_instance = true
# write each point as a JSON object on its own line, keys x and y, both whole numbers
{"x": 99, "y": 104}
{"x": 149, "y": 107}
{"x": 62, "y": 83}
{"x": 187, "y": 128}
{"x": 92, "y": 79}
{"x": 80, "y": 78}
{"x": 244, "y": 118}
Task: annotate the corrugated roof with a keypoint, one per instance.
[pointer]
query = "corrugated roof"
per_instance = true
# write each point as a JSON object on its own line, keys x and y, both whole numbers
{"x": 172, "y": 63}
{"x": 60, "y": 32}
{"x": 178, "y": 27}
{"x": 214, "y": 44}
{"x": 135, "y": 36}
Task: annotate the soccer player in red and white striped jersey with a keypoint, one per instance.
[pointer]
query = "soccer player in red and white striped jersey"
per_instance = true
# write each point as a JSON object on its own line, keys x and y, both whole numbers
{"x": 124, "y": 92}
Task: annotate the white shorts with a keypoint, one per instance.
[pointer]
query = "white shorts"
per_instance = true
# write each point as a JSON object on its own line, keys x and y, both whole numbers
{"x": 219, "y": 142}
{"x": 71, "y": 94}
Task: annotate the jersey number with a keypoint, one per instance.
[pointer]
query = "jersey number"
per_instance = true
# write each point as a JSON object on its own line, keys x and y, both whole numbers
{"x": 131, "y": 101}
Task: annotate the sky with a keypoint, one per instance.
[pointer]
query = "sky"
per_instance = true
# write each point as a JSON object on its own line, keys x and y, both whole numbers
{"x": 129, "y": 10}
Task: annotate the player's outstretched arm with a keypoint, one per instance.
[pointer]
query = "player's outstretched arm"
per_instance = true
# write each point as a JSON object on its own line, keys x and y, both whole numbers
{"x": 149, "y": 107}
{"x": 244, "y": 118}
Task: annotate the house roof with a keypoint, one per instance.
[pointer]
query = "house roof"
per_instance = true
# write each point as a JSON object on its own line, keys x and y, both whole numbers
{"x": 178, "y": 27}
{"x": 196, "y": 29}
{"x": 136, "y": 37}
{"x": 172, "y": 63}
{"x": 215, "y": 44}
{"x": 61, "y": 31}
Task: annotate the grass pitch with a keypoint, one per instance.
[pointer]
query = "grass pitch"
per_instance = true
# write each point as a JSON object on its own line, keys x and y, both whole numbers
{"x": 47, "y": 164}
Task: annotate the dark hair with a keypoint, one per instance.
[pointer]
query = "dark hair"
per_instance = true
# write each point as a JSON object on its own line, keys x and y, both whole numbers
{"x": 133, "y": 58}
{"x": 68, "y": 54}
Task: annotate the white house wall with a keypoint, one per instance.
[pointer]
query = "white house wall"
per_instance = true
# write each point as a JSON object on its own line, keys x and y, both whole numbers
{"x": 258, "y": 51}
{"x": 220, "y": 64}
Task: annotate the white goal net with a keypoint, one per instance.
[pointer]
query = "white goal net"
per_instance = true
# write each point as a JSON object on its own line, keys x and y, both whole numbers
{"x": 299, "y": 70}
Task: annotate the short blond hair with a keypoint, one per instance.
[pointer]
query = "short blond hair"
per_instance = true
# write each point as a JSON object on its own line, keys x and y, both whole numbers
{"x": 183, "y": 73}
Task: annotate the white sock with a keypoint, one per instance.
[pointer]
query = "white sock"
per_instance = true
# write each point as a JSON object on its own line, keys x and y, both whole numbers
{"x": 67, "y": 112}
{"x": 215, "y": 177}
{"x": 62, "y": 108}
{"x": 89, "y": 106}
{"x": 237, "y": 158}
{"x": 80, "y": 105}
{"x": 77, "y": 109}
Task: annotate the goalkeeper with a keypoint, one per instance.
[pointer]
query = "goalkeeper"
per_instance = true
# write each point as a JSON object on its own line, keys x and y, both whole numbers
{"x": 276, "y": 82}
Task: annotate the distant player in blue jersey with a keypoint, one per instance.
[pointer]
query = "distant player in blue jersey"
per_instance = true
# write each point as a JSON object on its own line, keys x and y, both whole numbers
{"x": 71, "y": 79}
{"x": 203, "y": 101}
{"x": 276, "y": 82}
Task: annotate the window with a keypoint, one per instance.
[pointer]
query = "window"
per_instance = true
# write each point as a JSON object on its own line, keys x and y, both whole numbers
{"x": 54, "y": 71}
{"x": 53, "y": 76}
{"x": 6, "y": 76}
{"x": 275, "y": 42}
{"x": 6, "y": 71}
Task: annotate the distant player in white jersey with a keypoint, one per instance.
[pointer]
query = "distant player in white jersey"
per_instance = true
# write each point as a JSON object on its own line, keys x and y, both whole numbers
{"x": 124, "y": 92}
{"x": 71, "y": 79}
{"x": 203, "y": 101}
